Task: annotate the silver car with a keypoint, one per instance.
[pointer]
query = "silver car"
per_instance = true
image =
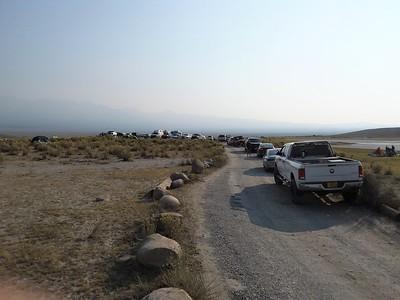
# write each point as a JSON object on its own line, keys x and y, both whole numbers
{"x": 269, "y": 159}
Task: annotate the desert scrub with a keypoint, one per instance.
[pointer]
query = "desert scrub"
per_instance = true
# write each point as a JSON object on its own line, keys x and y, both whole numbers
{"x": 378, "y": 189}
{"x": 377, "y": 169}
{"x": 120, "y": 152}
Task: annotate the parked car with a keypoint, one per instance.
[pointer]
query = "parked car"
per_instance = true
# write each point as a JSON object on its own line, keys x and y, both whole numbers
{"x": 40, "y": 139}
{"x": 198, "y": 136}
{"x": 112, "y": 133}
{"x": 237, "y": 141}
{"x": 314, "y": 167}
{"x": 222, "y": 138}
{"x": 166, "y": 134}
{"x": 176, "y": 134}
{"x": 157, "y": 133}
{"x": 269, "y": 159}
{"x": 262, "y": 149}
{"x": 143, "y": 135}
{"x": 252, "y": 144}
{"x": 186, "y": 136}
{"x": 210, "y": 137}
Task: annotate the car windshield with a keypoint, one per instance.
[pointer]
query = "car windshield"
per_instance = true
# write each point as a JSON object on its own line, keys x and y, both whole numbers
{"x": 312, "y": 149}
{"x": 272, "y": 152}
{"x": 266, "y": 145}
{"x": 254, "y": 140}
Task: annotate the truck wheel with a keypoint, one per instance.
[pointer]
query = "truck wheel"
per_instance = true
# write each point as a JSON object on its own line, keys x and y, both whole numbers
{"x": 277, "y": 177}
{"x": 296, "y": 194}
{"x": 351, "y": 196}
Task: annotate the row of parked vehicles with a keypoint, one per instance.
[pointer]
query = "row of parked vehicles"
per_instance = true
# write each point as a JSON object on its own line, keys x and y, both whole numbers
{"x": 310, "y": 166}
{"x": 160, "y": 133}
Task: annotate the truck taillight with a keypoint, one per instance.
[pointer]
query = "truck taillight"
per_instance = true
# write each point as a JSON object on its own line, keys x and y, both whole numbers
{"x": 302, "y": 174}
{"x": 360, "y": 171}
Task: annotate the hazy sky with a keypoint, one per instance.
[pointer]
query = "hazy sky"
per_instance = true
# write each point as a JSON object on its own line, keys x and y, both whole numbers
{"x": 304, "y": 61}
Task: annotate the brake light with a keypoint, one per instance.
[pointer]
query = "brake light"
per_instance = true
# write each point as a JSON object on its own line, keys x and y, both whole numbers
{"x": 360, "y": 171}
{"x": 302, "y": 174}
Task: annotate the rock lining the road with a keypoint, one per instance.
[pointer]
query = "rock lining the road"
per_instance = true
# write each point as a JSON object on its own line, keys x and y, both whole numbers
{"x": 169, "y": 203}
{"x": 168, "y": 294}
{"x": 197, "y": 166}
{"x": 158, "y": 251}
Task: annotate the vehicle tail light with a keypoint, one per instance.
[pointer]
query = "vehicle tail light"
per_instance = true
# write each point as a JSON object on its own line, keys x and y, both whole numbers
{"x": 360, "y": 171}
{"x": 302, "y": 174}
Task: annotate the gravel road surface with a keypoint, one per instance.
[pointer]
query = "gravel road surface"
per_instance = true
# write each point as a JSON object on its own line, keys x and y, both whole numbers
{"x": 265, "y": 247}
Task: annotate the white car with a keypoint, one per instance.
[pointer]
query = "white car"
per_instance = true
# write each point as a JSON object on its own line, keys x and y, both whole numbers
{"x": 314, "y": 167}
{"x": 186, "y": 136}
{"x": 157, "y": 133}
{"x": 198, "y": 136}
{"x": 269, "y": 159}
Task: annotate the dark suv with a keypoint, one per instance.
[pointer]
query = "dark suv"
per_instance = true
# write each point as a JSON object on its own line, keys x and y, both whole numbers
{"x": 252, "y": 144}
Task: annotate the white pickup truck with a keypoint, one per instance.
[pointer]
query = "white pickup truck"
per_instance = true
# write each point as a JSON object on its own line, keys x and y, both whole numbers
{"x": 314, "y": 167}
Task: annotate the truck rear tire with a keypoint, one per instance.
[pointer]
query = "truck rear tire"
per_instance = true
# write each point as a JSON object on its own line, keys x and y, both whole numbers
{"x": 277, "y": 177}
{"x": 297, "y": 196}
{"x": 350, "y": 196}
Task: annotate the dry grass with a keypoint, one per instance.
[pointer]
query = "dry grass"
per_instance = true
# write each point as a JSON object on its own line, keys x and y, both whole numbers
{"x": 380, "y": 184}
{"x": 55, "y": 233}
{"x": 108, "y": 148}
{"x": 379, "y": 163}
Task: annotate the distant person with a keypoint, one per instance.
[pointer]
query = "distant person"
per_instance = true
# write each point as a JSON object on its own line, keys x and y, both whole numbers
{"x": 378, "y": 151}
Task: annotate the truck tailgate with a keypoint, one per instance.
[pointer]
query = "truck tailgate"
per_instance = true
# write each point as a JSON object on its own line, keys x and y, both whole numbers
{"x": 327, "y": 172}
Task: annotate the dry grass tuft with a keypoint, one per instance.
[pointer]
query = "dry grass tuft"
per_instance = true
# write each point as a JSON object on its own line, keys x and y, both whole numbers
{"x": 197, "y": 286}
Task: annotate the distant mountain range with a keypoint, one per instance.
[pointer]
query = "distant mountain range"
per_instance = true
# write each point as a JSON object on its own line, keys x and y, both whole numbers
{"x": 377, "y": 133}
{"x": 64, "y": 117}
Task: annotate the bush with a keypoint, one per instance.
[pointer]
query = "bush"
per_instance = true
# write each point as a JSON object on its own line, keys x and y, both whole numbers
{"x": 198, "y": 287}
{"x": 377, "y": 169}
{"x": 389, "y": 171}
{"x": 375, "y": 192}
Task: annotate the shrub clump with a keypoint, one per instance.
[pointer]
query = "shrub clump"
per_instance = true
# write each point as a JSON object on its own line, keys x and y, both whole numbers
{"x": 121, "y": 153}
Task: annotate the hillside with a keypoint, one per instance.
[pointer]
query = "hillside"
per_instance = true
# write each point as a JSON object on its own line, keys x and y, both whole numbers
{"x": 377, "y": 133}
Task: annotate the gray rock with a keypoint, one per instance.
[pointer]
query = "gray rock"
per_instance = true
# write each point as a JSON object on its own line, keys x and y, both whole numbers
{"x": 197, "y": 166}
{"x": 158, "y": 193}
{"x": 169, "y": 203}
{"x": 168, "y": 294}
{"x": 158, "y": 251}
{"x": 183, "y": 176}
{"x": 177, "y": 183}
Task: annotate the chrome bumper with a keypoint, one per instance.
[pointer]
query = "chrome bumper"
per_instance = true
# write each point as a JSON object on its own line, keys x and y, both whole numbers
{"x": 321, "y": 187}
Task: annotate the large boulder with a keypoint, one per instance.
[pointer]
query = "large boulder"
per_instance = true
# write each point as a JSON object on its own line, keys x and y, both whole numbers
{"x": 197, "y": 166}
{"x": 183, "y": 176}
{"x": 158, "y": 193}
{"x": 177, "y": 184}
{"x": 169, "y": 203}
{"x": 158, "y": 251}
{"x": 168, "y": 294}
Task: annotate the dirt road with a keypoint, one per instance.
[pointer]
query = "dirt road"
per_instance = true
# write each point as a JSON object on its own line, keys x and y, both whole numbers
{"x": 265, "y": 247}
